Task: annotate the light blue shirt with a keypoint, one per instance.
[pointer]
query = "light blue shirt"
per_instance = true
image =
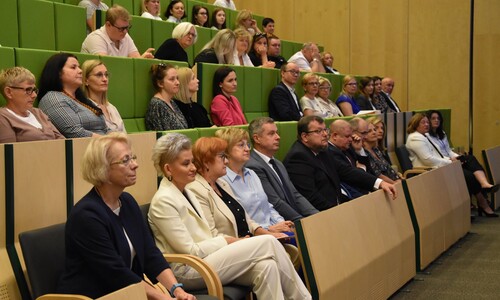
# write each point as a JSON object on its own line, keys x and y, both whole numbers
{"x": 252, "y": 197}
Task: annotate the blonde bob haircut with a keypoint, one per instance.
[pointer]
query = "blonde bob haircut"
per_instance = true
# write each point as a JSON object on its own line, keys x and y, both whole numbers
{"x": 15, "y": 76}
{"x": 87, "y": 68}
{"x": 185, "y": 75}
{"x": 223, "y": 44}
{"x": 242, "y": 16}
{"x": 117, "y": 12}
{"x": 242, "y": 33}
{"x": 144, "y": 9}
{"x": 96, "y": 160}
{"x": 232, "y": 136}
{"x": 308, "y": 78}
{"x": 205, "y": 150}
{"x": 345, "y": 81}
{"x": 167, "y": 149}
{"x": 182, "y": 29}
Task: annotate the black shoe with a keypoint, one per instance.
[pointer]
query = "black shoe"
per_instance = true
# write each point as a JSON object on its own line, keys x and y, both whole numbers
{"x": 492, "y": 189}
{"x": 481, "y": 211}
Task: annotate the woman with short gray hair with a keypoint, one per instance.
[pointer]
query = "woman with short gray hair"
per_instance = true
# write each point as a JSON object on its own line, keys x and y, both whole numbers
{"x": 183, "y": 36}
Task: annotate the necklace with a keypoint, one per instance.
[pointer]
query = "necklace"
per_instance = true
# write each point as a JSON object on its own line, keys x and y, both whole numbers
{"x": 92, "y": 109}
{"x": 100, "y": 195}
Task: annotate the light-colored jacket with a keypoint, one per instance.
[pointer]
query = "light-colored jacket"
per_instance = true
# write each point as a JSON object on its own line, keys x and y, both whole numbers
{"x": 422, "y": 153}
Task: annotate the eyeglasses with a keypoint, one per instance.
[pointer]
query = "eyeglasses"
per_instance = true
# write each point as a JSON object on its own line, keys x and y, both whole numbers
{"x": 125, "y": 161}
{"x": 293, "y": 72}
{"x": 100, "y": 75}
{"x": 242, "y": 145}
{"x": 320, "y": 131}
{"x": 325, "y": 87}
{"x": 122, "y": 29}
{"x": 29, "y": 90}
{"x": 313, "y": 83}
{"x": 202, "y": 13}
{"x": 352, "y": 84}
{"x": 222, "y": 155}
{"x": 193, "y": 35}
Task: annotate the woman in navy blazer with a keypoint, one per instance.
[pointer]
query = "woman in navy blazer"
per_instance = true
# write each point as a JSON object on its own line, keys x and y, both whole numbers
{"x": 108, "y": 245}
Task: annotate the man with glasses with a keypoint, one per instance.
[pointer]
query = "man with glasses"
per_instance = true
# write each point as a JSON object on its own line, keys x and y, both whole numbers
{"x": 308, "y": 59}
{"x": 283, "y": 102}
{"x": 113, "y": 38}
{"x": 314, "y": 172}
{"x": 274, "y": 51}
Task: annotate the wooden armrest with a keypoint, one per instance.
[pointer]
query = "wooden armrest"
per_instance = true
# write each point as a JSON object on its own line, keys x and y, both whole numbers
{"x": 414, "y": 171}
{"x": 63, "y": 297}
{"x": 211, "y": 278}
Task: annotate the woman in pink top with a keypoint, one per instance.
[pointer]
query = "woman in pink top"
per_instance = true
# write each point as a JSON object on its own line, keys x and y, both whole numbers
{"x": 225, "y": 108}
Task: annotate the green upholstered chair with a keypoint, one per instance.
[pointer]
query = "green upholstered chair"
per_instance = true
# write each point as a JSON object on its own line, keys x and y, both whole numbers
{"x": 161, "y": 31}
{"x": 33, "y": 59}
{"x": 288, "y": 133}
{"x": 254, "y": 115}
{"x": 270, "y": 78}
{"x": 7, "y": 60}
{"x": 231, "y": 18}
{"x": 9, "y": 35}
{"x": 141, "y": 33}
{"x": 143, "y": 87}
{"x": 36, "y": 24}
{"x": 207, "y": 132}
{"x": 206, "y": 74}
{"x": 204, "y": 36}
{"x": 192, "y": 133}
{"x": 141, "y": 124}
{"x": 70, "y": 28}
{"x": 75, "y": 2}
{"x": 127, "y": 4}
{"x": 131, "y": 125}
{"x": 121, "y": 84}
{"x": 250, "y": 84}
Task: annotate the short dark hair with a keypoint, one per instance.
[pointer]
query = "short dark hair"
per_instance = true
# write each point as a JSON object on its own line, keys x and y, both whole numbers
{"x": 303, "y": 124}
{"x": 196, "y": 9}
{"x": 219, "y": 76}
{"x": 171, "y": 5}
{"x": 266, "y": 21}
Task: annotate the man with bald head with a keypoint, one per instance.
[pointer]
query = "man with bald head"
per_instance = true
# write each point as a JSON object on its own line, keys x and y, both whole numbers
{"x": 308, "y": 59}
{"x": 387, "y": 87}
{"x": 283, "y": 102}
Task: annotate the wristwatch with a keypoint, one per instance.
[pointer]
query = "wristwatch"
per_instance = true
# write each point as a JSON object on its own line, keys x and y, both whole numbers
{"x": 172, "y": 289}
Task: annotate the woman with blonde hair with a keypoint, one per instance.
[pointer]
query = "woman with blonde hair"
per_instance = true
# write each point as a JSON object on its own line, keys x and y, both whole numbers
{"x": 310, "y": 84}
{"x": 242, "y": 47}
{"x": 95, "y": 79}
{"x": 151, "y": 9}
{"x": 324, "y": 106}
{"x": 195, "y": 114}
{"x": 345, "y": 101}
{"x": 245, "y": 20}
{"x": 219, "y": 50}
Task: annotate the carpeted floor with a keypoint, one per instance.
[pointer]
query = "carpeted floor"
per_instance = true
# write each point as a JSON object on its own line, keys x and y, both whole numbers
{"x": 470, "y": 269}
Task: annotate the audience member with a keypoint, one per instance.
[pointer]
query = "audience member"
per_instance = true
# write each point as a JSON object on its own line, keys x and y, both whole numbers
{"x": 308, "y": 59}
{"x": 245, "y": 20}
{"x": 95, "y": 79}
{"x": 225, "y": 3}
{"x": 225, "y": 108}
{"x": 64, "y": 102}
{"x": 218, "y": 19}
{"x": 200, "y": 16}
{"x": 381, "y": 136}
{"x": 113, "y": 38}
{"x": 424, "y": 153}
{"x": 327, "y": 60}
{"x": 325, "y": 107}
{"x": 19, "y": 120}
{"x": 387, "y": 87}
{"x": 359, "y": 131}
{"x": 184, "y": 35}
{"x": 151, "y": 9}
{"x": 163, "y": 113}
{"x": 283, "y": 102}
{"x": 175, "y": 11}
{"x": 314, "y": 172}
{"x": 195, "y": 114}
{"x": 91, "y": 6}
{"x": 242, "y": 46}
{"x": 378, "y": 100}
{"x": 219, "y": 50}
{"x": 179, "y": 226}
{"x": 274, "y": 51}
{"x": 108, "y": 245}
{"x": 258, "y": 52}
{"x": 268, "y": 26}
{"x": 364, "y": 98}
{"x": 272, "y": 173}
{"x": 310, "y": 84}
{"x": 345, "y": 101}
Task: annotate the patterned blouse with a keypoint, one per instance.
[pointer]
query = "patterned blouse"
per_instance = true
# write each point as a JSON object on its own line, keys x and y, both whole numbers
{"x": 160, "y": 116}
{"x": 380, "y": 166}
{"x": 380, "y": 103}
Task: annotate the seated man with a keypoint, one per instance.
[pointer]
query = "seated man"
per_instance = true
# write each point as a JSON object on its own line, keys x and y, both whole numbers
{"x": 308, "y": 59}
{"x": 314, "y": 173}
{"x": 283, "y": 102}
{"x": 274, "y": 51}
{"x": 387, "y": 87}
{"x": 113, "y": 38}
{"x": 92, "y": 6}
{"x": 272, "y": 173}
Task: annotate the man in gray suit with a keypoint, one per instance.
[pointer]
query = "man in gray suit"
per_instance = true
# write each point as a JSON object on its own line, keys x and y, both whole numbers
{"x": 273, "y": 175}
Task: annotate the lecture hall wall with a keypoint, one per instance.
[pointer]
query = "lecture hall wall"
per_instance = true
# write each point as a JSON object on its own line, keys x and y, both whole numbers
{"x": 423, "y": 44}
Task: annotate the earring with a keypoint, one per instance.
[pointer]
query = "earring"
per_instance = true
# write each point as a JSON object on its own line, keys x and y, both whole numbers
{"x": 169, "y": 177}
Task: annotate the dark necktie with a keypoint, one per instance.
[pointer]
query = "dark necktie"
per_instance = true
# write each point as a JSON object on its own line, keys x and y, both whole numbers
{"x": 288, "y": 195}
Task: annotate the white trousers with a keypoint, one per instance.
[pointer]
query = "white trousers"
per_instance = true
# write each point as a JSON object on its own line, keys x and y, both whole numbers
{"x": 260, "y": 262}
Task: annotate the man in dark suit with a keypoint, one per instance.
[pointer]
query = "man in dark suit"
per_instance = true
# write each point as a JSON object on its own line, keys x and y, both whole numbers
{"x": 314, "y": 172}
{"x": 273, "y": 175}
{"x": 387, "y": 87}
{"x": 283, "y": 102}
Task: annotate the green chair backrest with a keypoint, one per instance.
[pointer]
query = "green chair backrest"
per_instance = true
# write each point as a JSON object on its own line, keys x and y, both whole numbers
{"x": 127, "y": 4}
{"x": 161, "y": 31}
{"x": 70, "y": 28}
{"x": 36, "y": 24}
{"x": 121, "y": 84}
{"x": 9, "y": 35}
{"x": 288, "y": 133}
{"x": 7, "y": 60}
{"x": 141, "y": 33}
{"x": 33, "y": 59}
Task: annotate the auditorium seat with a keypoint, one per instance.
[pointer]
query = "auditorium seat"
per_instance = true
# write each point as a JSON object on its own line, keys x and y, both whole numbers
{"x": 9, "y": 35}
{"x": 70, "y": 28}
{"x": 161, "y": 31}
{"x": 7, "y": 60}
{"x": 33, "y": 59}
{"x": 121, "y": 84}
{"x": 141, "y": 33}
{"x": 36, "y": 24}
{"x": 127, "y": 4}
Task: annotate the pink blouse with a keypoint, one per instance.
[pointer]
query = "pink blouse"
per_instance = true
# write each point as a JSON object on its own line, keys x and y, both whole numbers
{"x": 226, "y": 111}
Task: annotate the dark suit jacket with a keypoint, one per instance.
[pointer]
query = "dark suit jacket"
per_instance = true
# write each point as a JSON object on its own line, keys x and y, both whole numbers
{"x": 363, "y": 102}
{"x": 282, "y": 106}
{"x": 97, "y": 251}
{"x": 276, "y": 193}
{"x": 394, "y": 106}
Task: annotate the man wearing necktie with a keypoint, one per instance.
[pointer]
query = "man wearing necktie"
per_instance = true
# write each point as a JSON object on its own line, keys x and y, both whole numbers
{"x": 283, "y": 102}
{"x": 387, "y": 88}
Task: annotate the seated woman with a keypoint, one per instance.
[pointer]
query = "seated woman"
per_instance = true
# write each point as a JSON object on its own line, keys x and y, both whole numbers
{"x": 184, "y": 35}
{"x": 378, "y": 100}
{"x": 379, "y": 166}
{"x": 438, "y": 138}
{"x": 346, "y": 101}
{"x": 325, "y": 107}
{"x": 151, "y": 9}
{"x": 327, "y": 60}
{"x": 310, "y": 84}
{"x": 95, "y": 80}
{"x": 258, "y": 52}
{"x": 242, "y": 46}
{"x": 219, "y": 50}
{"x": 364, "y": 99}
{"x": 195, "y": 114}
{"x": 200, "y": 16}
{"x": 19, "y": 120}
{"x": 179, "y": 226}
{"x": 381, "y": 136}
{"x": 245, "y": 20}
{"x": 225, "y": 108}
{"x": 424, "y": 153}
{"x": 64, "y": 102}
{"x": 108, "y": 245}
{"x": 163, "y": 113}
{"x": 218, "y": 19}
{"x": 175, "y": 11}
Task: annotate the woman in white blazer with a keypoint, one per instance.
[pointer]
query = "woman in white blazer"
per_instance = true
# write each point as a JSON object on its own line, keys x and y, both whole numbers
{"x": 179, "y": 226}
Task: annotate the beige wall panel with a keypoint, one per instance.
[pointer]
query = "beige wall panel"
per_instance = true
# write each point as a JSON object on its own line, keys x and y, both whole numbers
{"x": 439, "y": 54}
{"x": 486, "y": 65}
{"x": 8, "y": 284}
{"x": 39, "y": 184}
{"x": 80, "y": 186}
